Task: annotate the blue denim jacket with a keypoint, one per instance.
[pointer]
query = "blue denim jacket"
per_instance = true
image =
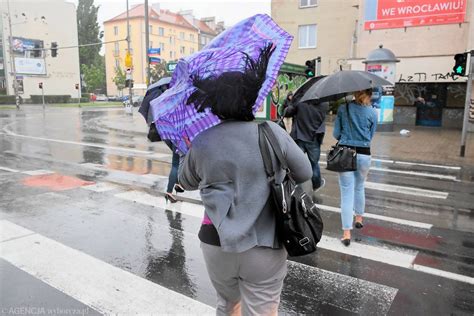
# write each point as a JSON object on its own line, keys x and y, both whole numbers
{"x": 362, "y": 130}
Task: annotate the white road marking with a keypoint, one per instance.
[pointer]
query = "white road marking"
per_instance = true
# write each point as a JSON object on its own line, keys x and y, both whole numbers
{"x": 100, "y": 187}
{"x": 377, "y": 253}
{"x": 346, "y": 289}
{"x": 381, "y": 217}
{"x": 427, "y": 165}
{"x": 416, "y": 173}
{"x": 9, "y": 169}
{"x": 406, "y": 190}
{"x": 444, "y": 274}
{"x": 412, "y": 163}
{"x": 103, "y": 287}
{"x": 120, "y": 149}
{"x": 37, "y": 172}
{"x": 413, "y": 173}
{"x": 190, "y": 209}
{"x": 9, "y": 232}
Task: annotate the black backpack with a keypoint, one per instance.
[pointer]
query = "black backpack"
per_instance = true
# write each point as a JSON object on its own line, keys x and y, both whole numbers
{"x": 299, "y": 225}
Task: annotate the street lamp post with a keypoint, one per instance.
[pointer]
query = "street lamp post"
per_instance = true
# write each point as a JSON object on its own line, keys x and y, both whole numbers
{"x": 128, "y": 52}
{"x": 467, "y": 104}
{"x": 12, "y": 58}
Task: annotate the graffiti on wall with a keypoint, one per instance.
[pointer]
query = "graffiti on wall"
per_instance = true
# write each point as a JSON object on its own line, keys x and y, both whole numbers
{"x": 283, "y": 85}
{"x": 425, "y": 77}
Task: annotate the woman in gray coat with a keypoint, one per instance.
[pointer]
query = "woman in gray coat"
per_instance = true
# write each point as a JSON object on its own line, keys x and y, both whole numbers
{"x": 244, "y": 259}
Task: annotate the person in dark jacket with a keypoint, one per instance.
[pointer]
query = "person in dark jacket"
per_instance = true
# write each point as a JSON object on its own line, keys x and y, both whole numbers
{"x": 308, "y": 132}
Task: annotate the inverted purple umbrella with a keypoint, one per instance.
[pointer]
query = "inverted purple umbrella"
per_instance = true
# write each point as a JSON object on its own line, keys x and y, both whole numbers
{"x": 181, "y": 123}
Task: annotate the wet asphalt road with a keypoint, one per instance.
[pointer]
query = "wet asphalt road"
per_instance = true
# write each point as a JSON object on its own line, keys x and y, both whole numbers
{"x": 414, "y": 256}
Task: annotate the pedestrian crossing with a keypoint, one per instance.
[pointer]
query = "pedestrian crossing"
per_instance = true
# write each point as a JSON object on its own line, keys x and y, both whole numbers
{"x": 387, "y": 255}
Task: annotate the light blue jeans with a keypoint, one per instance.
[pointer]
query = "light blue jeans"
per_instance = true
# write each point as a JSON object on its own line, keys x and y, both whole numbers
{"x": 352, "y": 187}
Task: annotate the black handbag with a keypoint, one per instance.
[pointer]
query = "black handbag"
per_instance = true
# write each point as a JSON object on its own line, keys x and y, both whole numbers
{"x": 341, "y": 158}
{"x": 153, "y": 135}
{"x": 299, "y": 225}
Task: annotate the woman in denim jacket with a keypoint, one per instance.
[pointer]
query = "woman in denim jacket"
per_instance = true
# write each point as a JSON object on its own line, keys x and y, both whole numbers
{"x": 356, "y": 133}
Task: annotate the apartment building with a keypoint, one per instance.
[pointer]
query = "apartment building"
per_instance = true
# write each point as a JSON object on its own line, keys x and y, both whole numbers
{"x": 424, "y": 35}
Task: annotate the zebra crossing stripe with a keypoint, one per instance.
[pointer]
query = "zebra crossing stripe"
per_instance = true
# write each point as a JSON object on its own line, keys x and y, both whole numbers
{"x": 103, "y": 287}
{"x": 9, "y": 169}
{"x": 381, "y": 217}
{"x": 406, "y": 190}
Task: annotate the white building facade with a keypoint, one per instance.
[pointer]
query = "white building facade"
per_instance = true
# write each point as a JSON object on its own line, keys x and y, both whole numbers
{"x": 35, "y": 26}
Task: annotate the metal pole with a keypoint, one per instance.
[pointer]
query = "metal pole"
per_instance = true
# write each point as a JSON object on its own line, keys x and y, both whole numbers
{"x": 79, "y": 96}
{"x": 147, "y": 43}
{"x": 12, "y": 58}
{"x": 467, "y": 104}
{"x": 128, "y": 50}
{"x": 42, "y": 93}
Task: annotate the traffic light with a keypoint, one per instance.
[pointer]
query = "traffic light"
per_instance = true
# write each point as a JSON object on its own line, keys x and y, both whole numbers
{"x": 77, "y": 86}
{"x": 460, "y": 64}
{"x": 40, "y": 85}
{"x": 37, "y": 51}
{"x": 54, "y": 49}
{"x": 310, "y": 70}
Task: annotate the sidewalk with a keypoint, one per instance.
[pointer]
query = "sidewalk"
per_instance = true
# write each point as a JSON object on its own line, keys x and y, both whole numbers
{"x": 425, "y": 144}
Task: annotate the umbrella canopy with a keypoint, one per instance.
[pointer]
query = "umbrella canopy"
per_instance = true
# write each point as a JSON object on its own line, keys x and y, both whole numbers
{"x": 152, "y": 92}
{"x": 341, "y": 83}
{"x": 159, "y": 83}
{"x": 181, "y": 123}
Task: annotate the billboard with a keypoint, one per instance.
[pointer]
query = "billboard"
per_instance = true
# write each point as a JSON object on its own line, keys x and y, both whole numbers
{"x": 21, "y": 45}
{"x": 385, "y": 14}
{"x": 30, "y": 66}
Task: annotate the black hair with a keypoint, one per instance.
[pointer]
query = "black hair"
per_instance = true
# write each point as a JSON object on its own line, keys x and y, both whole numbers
{"x": 232, "y": 94}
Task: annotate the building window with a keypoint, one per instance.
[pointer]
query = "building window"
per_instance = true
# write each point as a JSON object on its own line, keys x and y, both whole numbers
{"x": 191, "y": 37}
{"x": 150, "y": 29}
{"x": 115, "y": 30}
{"x": 162, "y": 47}
{"x": 308, "y": 3}
{"x": 182, "y": 50}
{"x": 181, "y": 35}
{"x": 203, "y": 40}
{"x": 191, "y": 50}
{"x": 171, "y": 55}
{"x": 116, "y": 49}
{"x": 171, "y": 40}
{"x": 307, "y": 36}
{"x": 161, "y": 31}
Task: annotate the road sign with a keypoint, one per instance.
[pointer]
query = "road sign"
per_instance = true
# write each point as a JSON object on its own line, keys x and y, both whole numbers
{"x": 128, "y": 60}
{"x": 154, "y": 51}
{"x": 171, "y": 66}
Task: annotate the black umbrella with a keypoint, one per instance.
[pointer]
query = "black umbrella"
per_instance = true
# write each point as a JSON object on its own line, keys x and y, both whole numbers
{"x": 342, "y": 83}
{"x": 152, "y": 92}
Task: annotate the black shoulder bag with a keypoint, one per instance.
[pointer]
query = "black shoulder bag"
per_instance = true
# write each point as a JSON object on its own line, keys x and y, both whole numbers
{"x": 341, "y": 158}
{"x": 299, "y": 225}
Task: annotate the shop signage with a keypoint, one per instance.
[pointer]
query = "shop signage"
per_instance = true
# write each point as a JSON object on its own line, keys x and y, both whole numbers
{"x": 384, "y": 14}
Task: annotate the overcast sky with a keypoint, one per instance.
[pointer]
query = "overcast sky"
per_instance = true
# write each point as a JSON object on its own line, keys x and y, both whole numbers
{"x": 229, "y": 11}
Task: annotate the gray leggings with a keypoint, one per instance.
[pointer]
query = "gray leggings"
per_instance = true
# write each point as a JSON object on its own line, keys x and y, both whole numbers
{"x": 250, "y": 282}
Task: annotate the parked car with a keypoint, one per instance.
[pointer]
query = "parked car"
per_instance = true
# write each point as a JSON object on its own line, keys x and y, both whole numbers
{"x": 136, "y": 100}
{"x": 115, "y": 98}
{"x": 102, "y": 97}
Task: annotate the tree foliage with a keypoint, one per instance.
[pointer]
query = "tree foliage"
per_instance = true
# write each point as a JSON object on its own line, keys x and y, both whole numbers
{"x": 88, "y": 32}
{"x": 94, "y": 77}
{"x": 158, "y": 71}
{"x": 119, "y": 78}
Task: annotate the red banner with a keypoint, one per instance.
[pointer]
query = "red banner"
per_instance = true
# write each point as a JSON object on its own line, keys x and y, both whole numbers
{"x": 383, "y": 14}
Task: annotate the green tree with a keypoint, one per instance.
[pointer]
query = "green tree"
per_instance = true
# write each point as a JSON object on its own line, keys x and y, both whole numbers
{"x": 158, "y": 71}
{"x": 94, "y": 77}
{"x": 119, "y": 78}
{"x": 88, "y": 32}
